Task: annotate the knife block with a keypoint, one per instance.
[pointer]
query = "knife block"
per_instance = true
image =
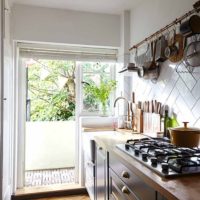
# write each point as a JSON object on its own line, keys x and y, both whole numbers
{"x": 139, "y": 120}
{"x": 151, "y": 122}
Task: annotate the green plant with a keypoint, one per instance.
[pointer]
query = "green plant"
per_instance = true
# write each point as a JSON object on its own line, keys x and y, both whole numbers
{"x": 101, "y": 92}
{"x": 51, "y": 90}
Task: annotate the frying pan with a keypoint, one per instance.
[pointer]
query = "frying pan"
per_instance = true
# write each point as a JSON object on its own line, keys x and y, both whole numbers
{"x": 192, "y": 54}
{"x": 175, "y": 49}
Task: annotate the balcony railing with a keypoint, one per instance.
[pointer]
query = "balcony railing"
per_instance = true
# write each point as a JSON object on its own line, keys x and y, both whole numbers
{"x": 50, "y": 146}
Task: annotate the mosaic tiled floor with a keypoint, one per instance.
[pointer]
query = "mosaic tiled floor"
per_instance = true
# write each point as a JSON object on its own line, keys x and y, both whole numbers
{"x": 49, "y": 177}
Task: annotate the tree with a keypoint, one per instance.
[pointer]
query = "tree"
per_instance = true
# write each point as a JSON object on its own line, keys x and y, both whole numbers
{"x": 51, "y": 89}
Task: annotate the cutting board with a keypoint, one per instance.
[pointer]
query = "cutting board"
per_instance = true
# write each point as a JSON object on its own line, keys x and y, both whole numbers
{"x": 139, "y": 120}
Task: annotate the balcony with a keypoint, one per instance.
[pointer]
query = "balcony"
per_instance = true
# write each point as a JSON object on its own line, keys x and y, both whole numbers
{"x": 50, "y": 153}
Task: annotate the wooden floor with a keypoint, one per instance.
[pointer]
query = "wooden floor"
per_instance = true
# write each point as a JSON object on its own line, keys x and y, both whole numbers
{"x": 79, "y": 197}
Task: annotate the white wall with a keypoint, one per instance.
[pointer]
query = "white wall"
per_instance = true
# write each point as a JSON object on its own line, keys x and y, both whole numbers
{"x": 152, "y": 15}
{"x": 50, "y": 145}
{"x": 181, "y": 91}
{"x": 65, "y": 26}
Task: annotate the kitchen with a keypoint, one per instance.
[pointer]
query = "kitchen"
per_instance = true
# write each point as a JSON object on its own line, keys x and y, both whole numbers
{"x": 180, "y": 91}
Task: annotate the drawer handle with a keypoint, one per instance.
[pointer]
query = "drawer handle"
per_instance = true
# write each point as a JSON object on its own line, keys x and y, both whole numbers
{"x": 125, "y": 190}
{"x": 125, "y": 174}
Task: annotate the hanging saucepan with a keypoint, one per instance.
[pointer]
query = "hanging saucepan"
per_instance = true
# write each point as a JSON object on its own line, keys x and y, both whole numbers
{"x": 192, "y": 54}
{"x": 191, "y": 26}
{"x": 151, "y": 73}
{"x": 160, "y": 49}
{"x": 152, "y": 70}
{"x": 149, "y": 56}
{"x": 175, "y": 49}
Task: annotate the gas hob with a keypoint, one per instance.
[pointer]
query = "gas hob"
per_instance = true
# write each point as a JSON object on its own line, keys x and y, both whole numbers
{"x": 162, "y": 157}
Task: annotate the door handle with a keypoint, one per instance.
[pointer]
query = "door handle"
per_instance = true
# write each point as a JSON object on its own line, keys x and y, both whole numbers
{"x": 89, "y": 163}
{"x": 100, "y": 148}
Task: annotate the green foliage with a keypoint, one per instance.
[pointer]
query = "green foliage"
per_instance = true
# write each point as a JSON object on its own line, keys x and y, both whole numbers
{"x": 94, "y": 73}
{"x": 102, "y": 92}
{"x": 51, "y": 89}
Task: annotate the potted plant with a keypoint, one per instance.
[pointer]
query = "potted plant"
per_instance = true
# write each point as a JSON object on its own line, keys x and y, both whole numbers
{"x": 101, "y": 92}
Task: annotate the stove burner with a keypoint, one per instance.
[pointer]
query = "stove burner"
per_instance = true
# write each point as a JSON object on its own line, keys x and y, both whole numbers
{"x": 163, "y": 157}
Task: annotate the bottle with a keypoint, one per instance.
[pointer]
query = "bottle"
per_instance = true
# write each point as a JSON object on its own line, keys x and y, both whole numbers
{"x": 167, "y": 124}
{"x": 174, "y": 122}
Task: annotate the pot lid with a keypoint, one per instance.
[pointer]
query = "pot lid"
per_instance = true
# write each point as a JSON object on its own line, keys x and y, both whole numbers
{"x": 185, "y": 128}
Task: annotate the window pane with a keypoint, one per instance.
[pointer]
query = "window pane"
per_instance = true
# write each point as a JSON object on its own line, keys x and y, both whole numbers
{"x": 94, "y": 73}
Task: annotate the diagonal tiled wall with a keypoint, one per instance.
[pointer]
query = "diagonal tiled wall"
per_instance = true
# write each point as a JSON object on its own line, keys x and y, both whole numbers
{"x": 181, "y": 91}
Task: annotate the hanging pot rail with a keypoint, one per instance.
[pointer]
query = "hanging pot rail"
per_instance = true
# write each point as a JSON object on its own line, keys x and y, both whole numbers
{"x": 176, "y": 21}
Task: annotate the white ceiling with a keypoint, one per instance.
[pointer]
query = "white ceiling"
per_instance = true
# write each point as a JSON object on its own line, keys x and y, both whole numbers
{"x": 99, "y": 6}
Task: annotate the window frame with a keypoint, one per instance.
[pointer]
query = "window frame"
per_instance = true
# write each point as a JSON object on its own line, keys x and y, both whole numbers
{"x": 113, "y": 95}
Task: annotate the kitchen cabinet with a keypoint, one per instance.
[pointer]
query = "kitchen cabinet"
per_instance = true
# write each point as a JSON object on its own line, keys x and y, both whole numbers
{"x": 117, "y": 189}
{"x": 101, "y": 173}
{"x": 115, "y": 181}
{"x": 126, "y": 183}
{"x": 127, "y": 175}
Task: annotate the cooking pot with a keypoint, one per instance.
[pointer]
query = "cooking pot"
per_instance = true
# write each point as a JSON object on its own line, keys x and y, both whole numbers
{"x": 149, "y": 73}
{"x": 185, "y": 136}
{"x": 191, "y": 26}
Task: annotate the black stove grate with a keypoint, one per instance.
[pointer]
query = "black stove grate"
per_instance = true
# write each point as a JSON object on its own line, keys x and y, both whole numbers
{"x": 163, "y": 157}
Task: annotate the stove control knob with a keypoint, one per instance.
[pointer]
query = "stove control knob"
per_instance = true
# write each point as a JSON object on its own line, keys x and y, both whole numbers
{"x": 144, "y": 156}
{"x": 154, "y": 161}
{"x": 165, "y": 166}
{"x": 137, "y": 151}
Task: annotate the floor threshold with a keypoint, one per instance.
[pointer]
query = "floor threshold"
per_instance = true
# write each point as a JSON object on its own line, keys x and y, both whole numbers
{"x": 49, "y": 191}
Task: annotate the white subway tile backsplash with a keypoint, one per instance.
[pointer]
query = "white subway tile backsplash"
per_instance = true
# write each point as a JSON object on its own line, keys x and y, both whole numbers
{"x": 197, "y": 123}
{"x": 180, "y": 91}
{"x": 188, "y": 79}
{"x": 185, "y": 112}
{"x": 185, "y": 93}
{"x": 196, "y": 109}
{"x": 173, "y": 96}
{"x": 196, "y": 73}
{"x": 166, "y": 72}
{"x": 196, "y": 90}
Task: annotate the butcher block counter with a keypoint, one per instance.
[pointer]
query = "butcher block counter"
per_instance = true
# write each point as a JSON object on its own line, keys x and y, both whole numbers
{"x": 181, "y": 188}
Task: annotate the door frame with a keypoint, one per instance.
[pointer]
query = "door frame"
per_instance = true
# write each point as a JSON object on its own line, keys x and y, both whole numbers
{"x": 20, "y": 113}
{"x": 1, "y": 95}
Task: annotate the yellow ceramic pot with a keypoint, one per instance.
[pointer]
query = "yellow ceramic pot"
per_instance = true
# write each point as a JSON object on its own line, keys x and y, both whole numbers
{"x": 185, "y": 136}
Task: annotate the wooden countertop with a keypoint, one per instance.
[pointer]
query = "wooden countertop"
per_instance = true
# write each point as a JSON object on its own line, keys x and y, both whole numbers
{"x": 177, "y": 188}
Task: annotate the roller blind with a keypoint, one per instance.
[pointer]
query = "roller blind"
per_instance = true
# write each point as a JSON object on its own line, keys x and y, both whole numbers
{"x": 67, "y": 52}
